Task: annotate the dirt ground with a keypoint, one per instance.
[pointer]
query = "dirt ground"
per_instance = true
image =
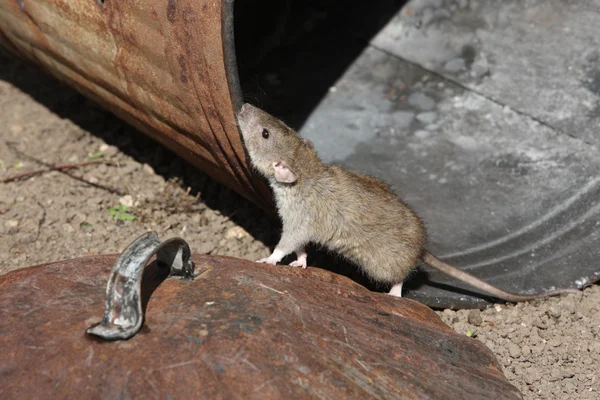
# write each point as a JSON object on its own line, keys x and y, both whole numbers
{"x": 548, "y": 349}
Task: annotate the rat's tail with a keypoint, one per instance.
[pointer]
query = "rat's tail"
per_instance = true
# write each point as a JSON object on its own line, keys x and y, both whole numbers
{"x": 477, "y": 283}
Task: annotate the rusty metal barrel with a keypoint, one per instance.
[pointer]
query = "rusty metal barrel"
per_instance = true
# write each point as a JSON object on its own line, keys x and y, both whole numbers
{"x": 167, "y": 67}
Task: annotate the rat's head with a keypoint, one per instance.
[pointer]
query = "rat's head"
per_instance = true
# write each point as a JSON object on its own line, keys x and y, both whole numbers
{"x": 271, "y": 144}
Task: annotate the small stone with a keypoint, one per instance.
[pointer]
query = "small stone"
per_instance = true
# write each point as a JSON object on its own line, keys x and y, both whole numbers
{"x": 559, "y": 376}
{"x": 109, "y": 150}
{"x": 148, "y": 169}
{"x": 126, "y": 200}
{"x": 67, "y": 228}
{"x": 577, "y": 315}
{"x": 205, "y": 248}
{"x": 93, "y": 179}
{"x": 16, "y": 129}
{"x": 554, "y": 342}
{"x": 475, "y": 318}
{"x": 514, "y": 350}
{"x": 103, "y": 147}
{"x": 540, "y": 324}
{"x": 11, "y": 223}
{"x": 554, "y": 312}
{"x": 237, "y": 232}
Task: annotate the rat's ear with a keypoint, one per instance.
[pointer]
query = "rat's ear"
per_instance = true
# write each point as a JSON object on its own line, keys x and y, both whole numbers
{"x": 308, "y": 143}
{"x": 283, "y": 172}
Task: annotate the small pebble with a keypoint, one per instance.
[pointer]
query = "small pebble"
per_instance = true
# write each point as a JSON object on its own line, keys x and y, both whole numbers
{"x": 148, "y": 169}
{"x": 237, "y": 232}
{"x": 554, "y": 312}
{"x": 67, "y": 228}
{"x": 514, "y": 350}
{"x": 475, "y": 318}
{"x": 540, "y": 324}
{"x": 205, "y": 248}
{"x": 126, "y": 200}
{"x": 16, "y": 129}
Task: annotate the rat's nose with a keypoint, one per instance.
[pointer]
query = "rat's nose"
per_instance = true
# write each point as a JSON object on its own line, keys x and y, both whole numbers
{"x": 245, "y": 106}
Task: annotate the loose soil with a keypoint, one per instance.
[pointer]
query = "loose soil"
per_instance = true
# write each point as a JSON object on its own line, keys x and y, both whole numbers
{"x": 549, "y": 349}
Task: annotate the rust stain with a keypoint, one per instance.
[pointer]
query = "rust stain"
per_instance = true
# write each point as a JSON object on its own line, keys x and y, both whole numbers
{"x": 188, "y": 15}
{"x": 183, "y": 76}
{"x": 171, "y": 10}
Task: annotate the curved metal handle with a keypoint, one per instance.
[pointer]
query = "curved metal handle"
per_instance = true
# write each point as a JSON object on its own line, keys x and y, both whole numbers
{"x": 123, "y": 315}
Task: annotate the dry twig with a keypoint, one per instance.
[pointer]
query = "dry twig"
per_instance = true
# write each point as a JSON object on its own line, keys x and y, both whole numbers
{"x": 25, "y": 175}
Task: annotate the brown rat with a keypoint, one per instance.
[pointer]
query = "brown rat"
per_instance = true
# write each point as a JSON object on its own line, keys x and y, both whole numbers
{"x": 355, "y": 215}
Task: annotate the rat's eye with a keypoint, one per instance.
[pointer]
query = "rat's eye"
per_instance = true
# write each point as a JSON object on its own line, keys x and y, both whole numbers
{"x": 265, "y": 133}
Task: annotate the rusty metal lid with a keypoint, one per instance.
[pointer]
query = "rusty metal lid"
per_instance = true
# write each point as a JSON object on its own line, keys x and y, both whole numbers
{"x": 239, "y": 330}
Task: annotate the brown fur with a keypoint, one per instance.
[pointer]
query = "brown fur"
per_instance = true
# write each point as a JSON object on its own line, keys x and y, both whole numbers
{"x": 355, "y": 215}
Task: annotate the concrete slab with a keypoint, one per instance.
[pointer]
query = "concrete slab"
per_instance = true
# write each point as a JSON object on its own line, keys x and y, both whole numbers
{"x": 505, "y": 197}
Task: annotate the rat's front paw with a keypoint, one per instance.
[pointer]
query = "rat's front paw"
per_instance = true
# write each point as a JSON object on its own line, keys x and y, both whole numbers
{"x": 267, "y": 260}
{"x": 299, "y": 263}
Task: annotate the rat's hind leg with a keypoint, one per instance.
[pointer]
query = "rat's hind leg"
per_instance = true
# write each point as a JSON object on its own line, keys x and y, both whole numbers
{"x": 396, "y": 290}
{"x": 301, "y": 259}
